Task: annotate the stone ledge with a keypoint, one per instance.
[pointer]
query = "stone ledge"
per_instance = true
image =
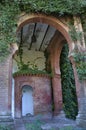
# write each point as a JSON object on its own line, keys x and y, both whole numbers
{"x": 35, "y": 75}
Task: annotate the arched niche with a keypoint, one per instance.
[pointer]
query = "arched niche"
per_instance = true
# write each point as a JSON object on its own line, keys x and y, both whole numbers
{"x": 27, "y": 100}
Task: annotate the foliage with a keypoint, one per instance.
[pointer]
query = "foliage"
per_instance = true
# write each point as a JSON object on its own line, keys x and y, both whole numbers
{"x": 80, "y": 59}
{"x": 7, "y": 26}
{"x": 4, "y": 50}
{"x": 75, "y": 35}
{"x": 47, "y": 62}
{"x": 28, "y": 68}
{"x": 2, "y": 127}
{"x": 36, "y": 125}
{"x": 10, "y": 10}
{"x": 56, "y": 6}
{"x": 28, "y": 71}
{"x": 68, "y": 85}
{"x": 83, "y": 20}
{"x": 79, "y": 55}
{"x": 67, "y": 128}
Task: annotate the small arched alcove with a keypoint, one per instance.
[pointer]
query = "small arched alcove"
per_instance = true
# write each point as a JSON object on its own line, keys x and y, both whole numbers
{"x": 27, "y": 100}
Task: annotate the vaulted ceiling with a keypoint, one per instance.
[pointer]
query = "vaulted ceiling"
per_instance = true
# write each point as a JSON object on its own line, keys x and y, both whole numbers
{"x": 36, "y": 36}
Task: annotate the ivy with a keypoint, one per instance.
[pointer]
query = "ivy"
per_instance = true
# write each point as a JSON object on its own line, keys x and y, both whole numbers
{"x": 4, "y": 51}
{"x": 57, "y": 6}
{"x": 83, "y": 20}
{"x": 7, "y": 27}
{"x": 75, "y": 35}
{"x": 80, "y": 59}
{"x": 30, "y": 69}
{"x": 68, "y": 85}
{"x": 10, "y": 10}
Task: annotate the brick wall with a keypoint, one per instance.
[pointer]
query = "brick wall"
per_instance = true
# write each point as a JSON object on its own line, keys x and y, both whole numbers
{"x": 41, "y": 93}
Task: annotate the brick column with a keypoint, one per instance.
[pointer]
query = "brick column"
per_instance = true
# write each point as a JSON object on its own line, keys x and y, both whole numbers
{"x": 56, "y": 80}
{"x": 5, "y": 88}
{"x": 77, "y": 83}
{"x": 81, "y": 118}
{"x": 18, "y": 98}
{"x": 81, "y": 97}
{"x": 57, "y": 93}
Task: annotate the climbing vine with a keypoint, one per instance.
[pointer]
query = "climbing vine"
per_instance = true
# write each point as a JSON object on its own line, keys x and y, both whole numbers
{"x": 83, "y": 20}
{"x": 75, "y": 35}
{"x": 68, "y": 85}
{"x": 9, "y": 14}
{"x": 10, "y": 11}
{"x": 80, "y": 60}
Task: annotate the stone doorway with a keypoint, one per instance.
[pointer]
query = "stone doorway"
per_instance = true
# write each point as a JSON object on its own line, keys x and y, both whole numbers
{"x": 27, "y": 100}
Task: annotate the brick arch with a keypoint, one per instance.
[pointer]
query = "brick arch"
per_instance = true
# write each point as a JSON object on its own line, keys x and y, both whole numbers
{"x": 64, "y": 36}
{"x": 26, "y": 84}
{"x": 55, "y": 49}
{"x": 50, "y": 20}
{"x": 56, "y": 80}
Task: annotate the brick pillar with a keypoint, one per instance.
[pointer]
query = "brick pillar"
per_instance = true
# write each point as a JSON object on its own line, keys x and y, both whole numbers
{"x": 77, "y": 83}
{"x": 6, "y": 84}
{"x": 56, "y": 80}
{"x": 81, "y": 118}
{"x": 81, "y": 97}
{"x": 18, "y": 98}
{"x": 57, "y": 93}
{"x": 5, "y": 88}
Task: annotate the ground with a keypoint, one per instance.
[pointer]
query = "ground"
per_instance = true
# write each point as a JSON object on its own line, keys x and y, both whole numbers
{"x": 43, "y": 122}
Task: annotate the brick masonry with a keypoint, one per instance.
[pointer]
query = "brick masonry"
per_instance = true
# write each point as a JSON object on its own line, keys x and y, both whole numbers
{"x": 41, "y": 85}
{"x": 5, "y": 88}
{"x": 44, "y": 91}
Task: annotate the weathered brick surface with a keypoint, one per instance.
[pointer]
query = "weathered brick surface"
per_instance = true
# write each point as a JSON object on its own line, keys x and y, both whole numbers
{"x": 5, "y": 104}
{"x": 41, "y": 93}
{"x": 41, "y": 85}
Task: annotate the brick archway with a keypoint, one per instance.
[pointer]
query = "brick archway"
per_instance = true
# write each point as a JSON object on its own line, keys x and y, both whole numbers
{"x": 50, "y": 20}
{"x": 55, "y": 55}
